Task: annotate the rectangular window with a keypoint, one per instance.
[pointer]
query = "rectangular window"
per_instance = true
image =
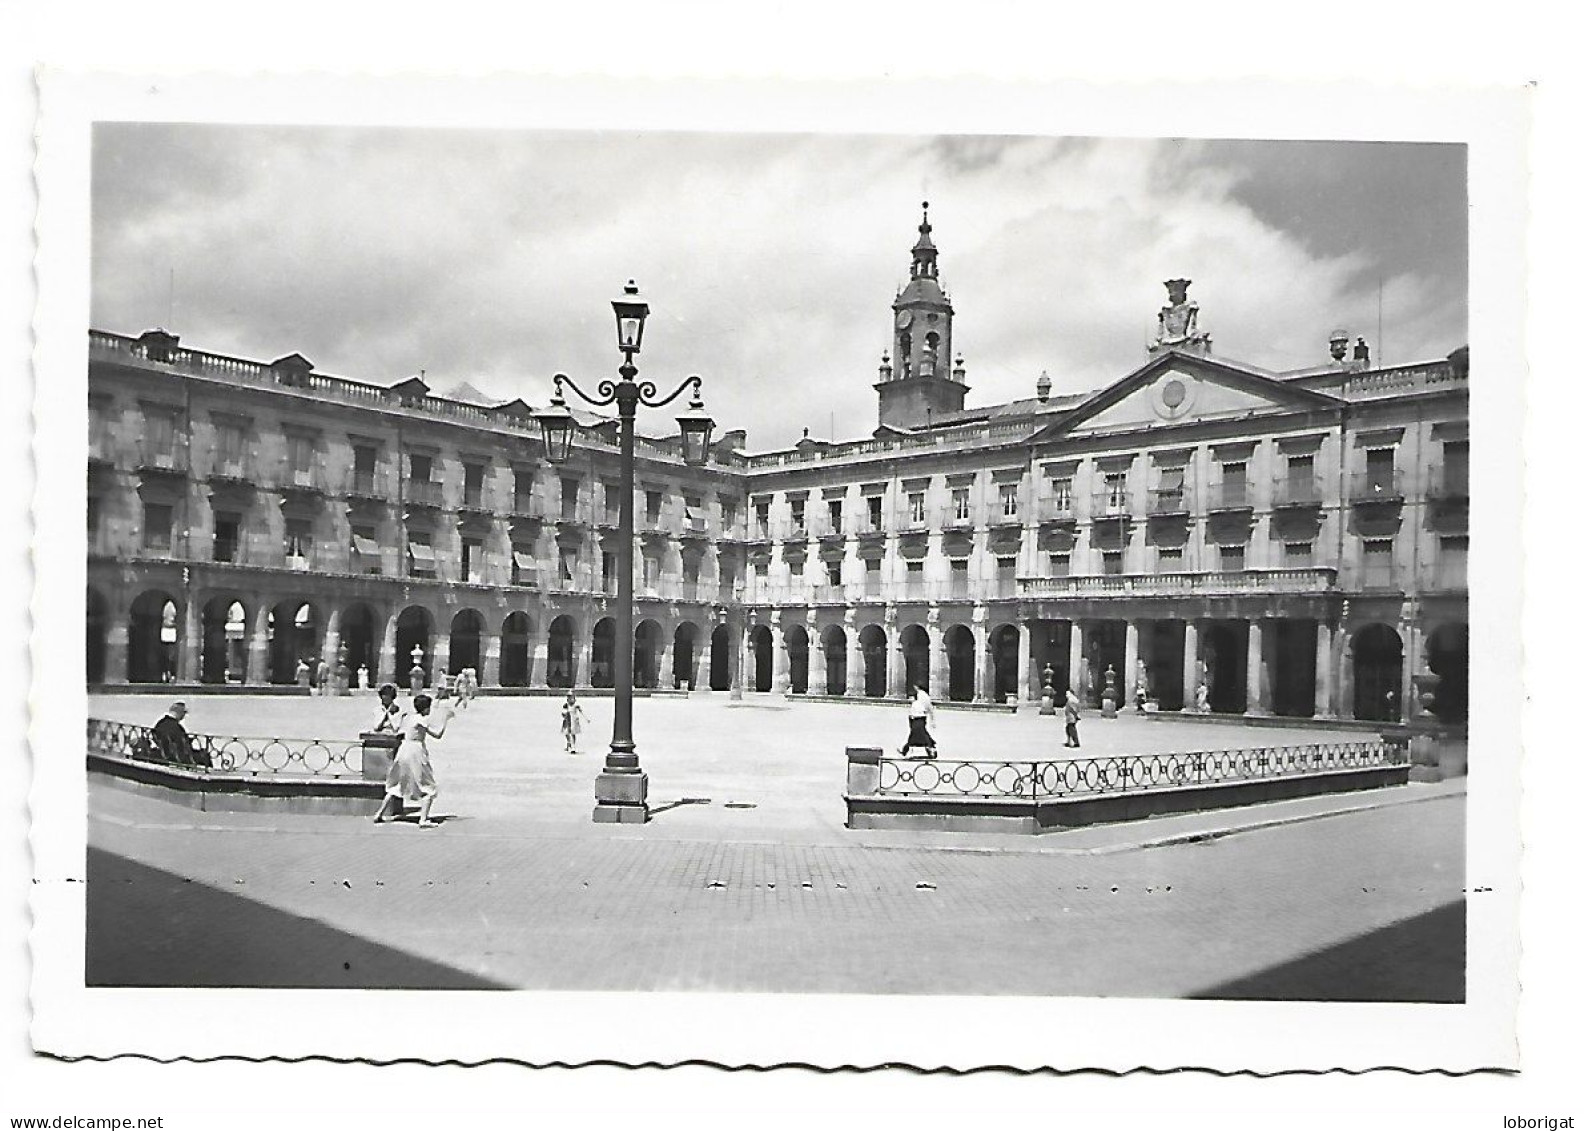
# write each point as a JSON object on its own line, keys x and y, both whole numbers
{"x": 761, "y": 520}
{"x": 473, "y": 561}
{"x": 652, "y": 504}
{"x": 1234, "y": 484}
{"x": 960, "y": 505}
{"x": 1009, "y": 500}
{"x": 1169, "y": 495}
{"x": 567, "y": 565}
{"x": 1111, "y": 562}
{"x": 1061, "y": 495}
{"x": 797, "y": 517}
{"x": 227, "y": 534}
{"x": 364, "y": 461}
{"x": 94, "y": 509}
{"x": 1298, "y": 555}
{"x": 230, "y": 448}
{"x": 1377, "y": 562}
{"x": 300, "y": 451}
{"x": 916, "y": 506}
{"x": 728, "y": 510}
{"x": 959, "y": 579}
{"x": 473, "y": 484}
{"x": 1169, "y": 559}
{"x": 876, "y": 521}
{"x": 833, "y": 572}
{"x": 608, "y": 571}
{"x": 1455, "y": 466}
{"x": 569, "y": 499}
{"x": 795, "y": 572}
{"x": 915, "y": 579}
{"x": 833, "y": 515}
{"x": 612, "y": 495}
{"x": 1380, "y": 470}
{"x": 420, "y": 468}
{"x": 761, "y": 568}
{"x": 1300, "y": 469}
{"x": 651, "y": 573}
{"x": 1453, "y": 568}
{"x": 1231, "y": 559}
{"x": 525, "y": 568}
{"x": 299, "y": 543}
{"x": 1060, "y": 565}
{"x": 420, "y": 555}
{"x": 522, "y": 490}
{"x": 157, "y": 519}
{"x": 365, "y": 550}
{"x": 1116, "y": 492}
{"x": 159, "y": 436}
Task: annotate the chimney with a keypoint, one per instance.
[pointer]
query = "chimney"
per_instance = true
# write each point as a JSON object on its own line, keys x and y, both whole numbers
{"x": 1361, "y": 353}
{"x": 1042, "y": 386}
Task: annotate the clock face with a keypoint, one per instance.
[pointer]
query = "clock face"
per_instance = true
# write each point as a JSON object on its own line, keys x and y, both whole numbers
{"x": 904, "y": 319}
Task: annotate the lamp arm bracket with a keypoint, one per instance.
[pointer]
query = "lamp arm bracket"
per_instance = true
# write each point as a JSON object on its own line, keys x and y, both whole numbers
{"x": 646, "y": 391}
{"x": 607, "y": 391}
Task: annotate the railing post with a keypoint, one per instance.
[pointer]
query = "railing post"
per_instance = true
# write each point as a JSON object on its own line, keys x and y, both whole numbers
{"x": 863, "y": 770}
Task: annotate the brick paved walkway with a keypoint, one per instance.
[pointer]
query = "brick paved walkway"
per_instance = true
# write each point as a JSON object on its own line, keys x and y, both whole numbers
{"x": 1362, "y": 904}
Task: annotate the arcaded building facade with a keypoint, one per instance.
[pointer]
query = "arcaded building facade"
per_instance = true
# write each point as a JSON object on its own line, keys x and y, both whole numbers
{"x": 1213, "y": 535}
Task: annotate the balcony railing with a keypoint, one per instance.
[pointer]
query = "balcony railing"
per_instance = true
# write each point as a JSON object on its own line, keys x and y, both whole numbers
{"x": 424, "y": 492}
{"x": 1447, "y": 485}
{"x": 1109, "y": 503}
{"x": 367, "y": 484}
{"x": 1297, "y": 491}
{"x": 907, "y": 519}
{"x": 1168, "y": 500}
{"x": 233, "y": 468}
{"x": 162, "y": 457}
{"x": 1230, "y": 497}
{"x": 1377, "y": 487}
{"x": 300, "y": 479}
{"x": 1058, "y": 510}
{"x": 1451, "y": 575}
{"x": 1317, "y": 580}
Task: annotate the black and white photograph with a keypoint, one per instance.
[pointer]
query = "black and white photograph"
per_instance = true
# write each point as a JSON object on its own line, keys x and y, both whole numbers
{"x": 850, "y": 573}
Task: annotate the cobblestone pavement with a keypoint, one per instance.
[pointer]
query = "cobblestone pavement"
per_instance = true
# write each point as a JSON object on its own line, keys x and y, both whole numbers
{"x": 1362, "y": 904}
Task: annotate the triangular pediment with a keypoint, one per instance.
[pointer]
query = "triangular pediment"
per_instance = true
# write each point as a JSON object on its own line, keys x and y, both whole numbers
{"x": 1175, "y": 389}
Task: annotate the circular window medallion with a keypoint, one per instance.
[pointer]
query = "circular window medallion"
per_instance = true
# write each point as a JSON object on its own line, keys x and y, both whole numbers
{"x": 1172, "y": 396}
{"x": 1173, "y": 393}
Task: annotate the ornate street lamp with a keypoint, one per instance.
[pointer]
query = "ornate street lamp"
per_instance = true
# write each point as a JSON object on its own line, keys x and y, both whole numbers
{"x": 621, "y": 791}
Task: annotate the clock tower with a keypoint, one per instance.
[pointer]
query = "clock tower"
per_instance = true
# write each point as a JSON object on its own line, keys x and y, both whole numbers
{"x": 917, "y": 379}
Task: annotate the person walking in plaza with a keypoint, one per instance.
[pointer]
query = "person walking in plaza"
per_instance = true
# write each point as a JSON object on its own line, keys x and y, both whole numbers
{"x": 1071, "y": 713}
{"x": 921, "y": 716}
{"x": 571, "y": 724}
{"x": 411, "y": 776}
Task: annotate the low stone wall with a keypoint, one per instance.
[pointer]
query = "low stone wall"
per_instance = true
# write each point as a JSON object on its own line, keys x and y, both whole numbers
{"x": 213, "y": 791}
{"x": 1019, "y": 809}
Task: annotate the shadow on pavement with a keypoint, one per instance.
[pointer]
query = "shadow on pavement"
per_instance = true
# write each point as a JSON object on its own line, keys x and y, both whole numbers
{"x": 148, "y": 927}
{"x": 1417, "y": 960}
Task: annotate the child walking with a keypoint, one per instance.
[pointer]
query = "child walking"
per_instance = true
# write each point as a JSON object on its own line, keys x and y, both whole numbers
{"x": 571, "y": 724}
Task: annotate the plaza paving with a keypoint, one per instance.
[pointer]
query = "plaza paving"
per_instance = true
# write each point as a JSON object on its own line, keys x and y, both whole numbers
{"x": 746, "y": 880}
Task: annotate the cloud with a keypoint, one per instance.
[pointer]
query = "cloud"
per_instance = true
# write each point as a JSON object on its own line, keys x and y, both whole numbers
{"x": 770, "y": 261}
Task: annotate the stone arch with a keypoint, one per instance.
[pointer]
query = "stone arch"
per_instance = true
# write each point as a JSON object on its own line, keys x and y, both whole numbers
{"x": 293, "y": 632}
{"x": 561, "y": 652}
{"x": 358, "y": 637}
{"x": 96, "y": 651}
{"x": 872, "y": 642}
{"x": 151, "y": 638}
{"x": 467, "y": 642}
{"x": 602, "y": 654}
{"x": 414, "y": 629}
{"x": 684, "y": 655}
{"x": 763, "y": 647}
{"x": 648, "y": 639}
{"x": 720, "y": 658}
{"x": 1446, "y": 654}
{"x": 222, "y": 642}
{"x": 959, "y": 644}
{"x": 516, "y": 655}
{"x": 915, "y": 656}
{"x": 834, "y": 639}
{"x": 1377, "y": 673}
{"x": 797, "y": 648}
{"x": 1004, "y": 661}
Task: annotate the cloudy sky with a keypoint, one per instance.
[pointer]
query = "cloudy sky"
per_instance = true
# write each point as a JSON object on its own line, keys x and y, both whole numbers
{"x": 769, "y": 261}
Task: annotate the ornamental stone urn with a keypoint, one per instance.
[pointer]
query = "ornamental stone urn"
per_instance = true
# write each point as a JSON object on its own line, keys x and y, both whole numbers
{"x": 1111, "y": 695}
{"x": 1048, "y": 691}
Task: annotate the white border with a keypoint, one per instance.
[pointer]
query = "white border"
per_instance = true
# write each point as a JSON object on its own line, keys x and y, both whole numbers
{"x": 926, "y": 1031}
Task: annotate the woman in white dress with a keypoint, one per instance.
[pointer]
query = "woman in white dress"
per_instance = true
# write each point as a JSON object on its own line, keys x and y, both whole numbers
{"x": 411, "y": 777}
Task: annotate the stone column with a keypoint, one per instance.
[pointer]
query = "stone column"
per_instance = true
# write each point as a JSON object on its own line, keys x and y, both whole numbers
{"x": 539, "y": 655}
{"x": 331, "y": 647}
{"x": 1130, "y": 663}
{"x": 939, "y": 670}
{"x": 1342, "y": 653}
{"x": 1324, "y": 707}
{"x": 742, "y": 656}
{"x": 1025, "y": 660}
{"x": 855, "y": 664}
{"x": 984, "y": 673}
{"x": 896, "y": 666}
{"x": 385, "y": 670}
{"x": 583, "y": 657}
{"x": 258, "y": 646}
{"x": 1075, "y": 659}
{"x": 665, "y": 662}
{"x": 187, "y": 649}
{"x": 817, "y": 680}
{"x": 440, "y": 658}
{"x": 1413, "y": 658}
{"x": 117, "y": 637}
{"x": 489, "y": 673}
{"x": 1190, "y": 668}
{"x": 1257, "y": 699}
{"x": 780, "y": 662}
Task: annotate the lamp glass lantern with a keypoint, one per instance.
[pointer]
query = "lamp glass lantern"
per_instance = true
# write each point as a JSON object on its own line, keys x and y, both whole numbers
{"x": 556, "y": 423}
{"x": 696, "y": 426}
{"x": 631, "y": 312}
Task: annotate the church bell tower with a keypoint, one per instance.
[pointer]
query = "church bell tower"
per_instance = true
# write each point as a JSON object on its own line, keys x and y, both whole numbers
{"x": 917, "y": 378}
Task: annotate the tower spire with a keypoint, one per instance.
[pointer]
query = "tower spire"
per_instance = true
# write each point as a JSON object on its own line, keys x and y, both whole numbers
{"x": 924, "y": 253}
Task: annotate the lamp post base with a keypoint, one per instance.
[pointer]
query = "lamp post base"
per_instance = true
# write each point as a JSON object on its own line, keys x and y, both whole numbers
{"x": 621, "y": 798}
